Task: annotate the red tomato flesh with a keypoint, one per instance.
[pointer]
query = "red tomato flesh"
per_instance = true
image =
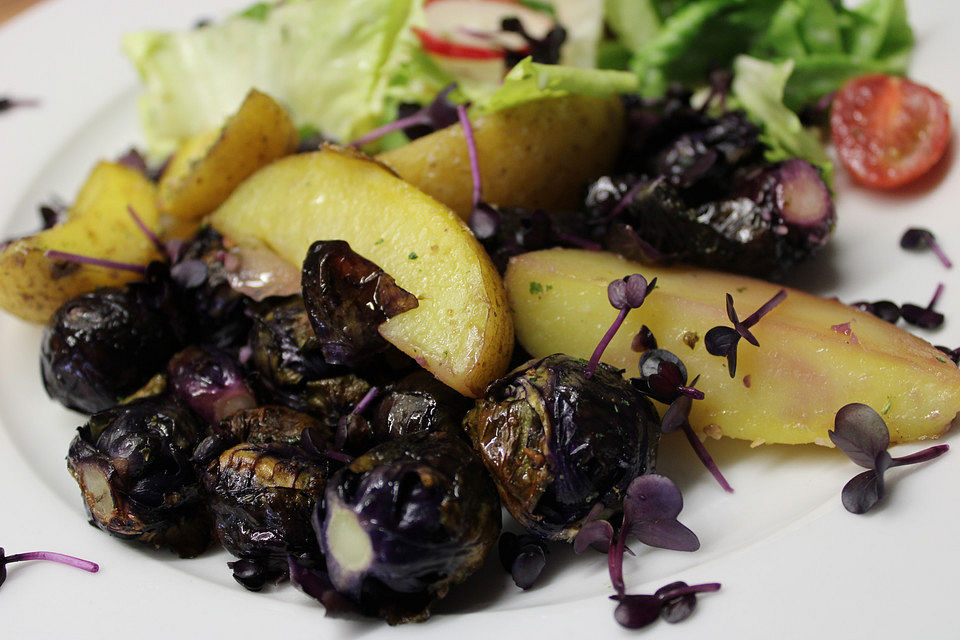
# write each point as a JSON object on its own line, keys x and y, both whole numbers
{"x": 887, "y": 130}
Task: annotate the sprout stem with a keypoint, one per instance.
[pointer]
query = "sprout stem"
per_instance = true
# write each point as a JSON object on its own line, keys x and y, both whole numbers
{"x": 420, "y": 117}
{"x": 339, "y": 456}
{"x": 577, "y": 241}
{"x": 97, "y": 262}
{"x": 615, "y": 561}
{"x": 708, "y": 587}
{"x": 61, "y": 558}
{"x": 940, "y": 254}
{"x": 705, "y": 457}
{"x": 607, "y": 337}
{"x": 936, "y": 296}
{"x": 147, "y": 231}
{"x": 921, "y": 456}
{"x": 625, "y": 200}
{"x": 472, "y": 151}
{"x": 366, "y": 400}
{"x": 766, "y": 308}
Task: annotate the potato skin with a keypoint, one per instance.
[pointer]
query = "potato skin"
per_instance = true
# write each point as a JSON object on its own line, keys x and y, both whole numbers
{"x": 786, "y": 391}
{"x": 208, "y": 167}
{"x": 461, "y": 330}
{"x": 538, "y": 155}
{"x": 33, "y": 286}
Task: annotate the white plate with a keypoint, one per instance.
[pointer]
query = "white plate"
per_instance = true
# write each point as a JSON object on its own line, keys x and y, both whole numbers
{"x": 792, "y": 562}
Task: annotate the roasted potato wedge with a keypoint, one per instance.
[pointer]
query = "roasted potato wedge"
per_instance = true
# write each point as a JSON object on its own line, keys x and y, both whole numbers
{"x": 99, "y": 225}
{"x": 537, "y": 155}
{"x": 461, "y": 330}
{"x": 209, "y": 166}
{"x": 788, "y": 390}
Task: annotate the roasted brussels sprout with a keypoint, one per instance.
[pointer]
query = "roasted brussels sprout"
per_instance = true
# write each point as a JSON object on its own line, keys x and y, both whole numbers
{"x": 347, "y": 298}
{"x": 262, "y": 488}
{"x": 418, "y": 402}
{"x": 405, "y": 522}
{"x": 210, "y": 382}
{"x": 696, "y": 188}
{"x": 557, "y": 442}
{"x": 132, "y": 463}
{"x": 290, "y": 369}
{"x": 104, "y": 345}
{"x": 262, "y": 497}
{"x": 214, "y": 313}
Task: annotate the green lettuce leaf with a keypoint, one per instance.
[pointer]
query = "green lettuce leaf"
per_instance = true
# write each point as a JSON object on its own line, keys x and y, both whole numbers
{"x": 529, "y": 81}
{"x": 758, "y": 88}
{"x": 331, "y": 64}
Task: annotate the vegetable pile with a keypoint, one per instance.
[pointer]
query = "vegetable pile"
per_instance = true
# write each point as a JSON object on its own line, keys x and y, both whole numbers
{"x": 342, "y": 368}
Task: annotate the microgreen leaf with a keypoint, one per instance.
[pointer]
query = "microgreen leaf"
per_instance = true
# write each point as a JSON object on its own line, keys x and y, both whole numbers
{"x": 918, "y": 239}
{"x": 644, "y": 340}
{"x": 723, "y": 341}
{"x": 863, "y": 436}
{"x": 523, "y": 557}
{"x": 673, "y": 602}
{"x": 650, "y": 509}
{"x": 925, "y": 318}
{"x": 315, "y": 582}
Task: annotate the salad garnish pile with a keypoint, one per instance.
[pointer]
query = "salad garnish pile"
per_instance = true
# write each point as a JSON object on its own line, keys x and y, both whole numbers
{"x": 254, "y": 346}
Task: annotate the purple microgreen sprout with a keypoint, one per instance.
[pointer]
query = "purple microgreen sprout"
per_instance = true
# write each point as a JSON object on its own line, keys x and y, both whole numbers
{"x": 917, "y": 239}
{"x": 925, "y": 318}
{"x": 627, "y": 197}
{"x": 148, "y": 232}
{"x": 523, "y": 557}
{"x": 97, "y": 262}
{"x": 650, "y": 509}
{"x": 438, "y": 114}
{"x": 315, "y": 582}
{"x": 663, "y": 377}
{"x": 7, "y": 103}
{"x": 624, "y": 294}
{"x": 644, "y": 340}
{"x": 883, "y": 309}
{"x": 594, "y": 533}
{"x": 862, "y": 435}
{"x": 723, "y": 341}
{"x": 365, "y": 401}
{"x": 61, "y": 558}
{"x": 312, "y": 443}
{"x": 673, "y": 602}
{"x": 677, "y": 417}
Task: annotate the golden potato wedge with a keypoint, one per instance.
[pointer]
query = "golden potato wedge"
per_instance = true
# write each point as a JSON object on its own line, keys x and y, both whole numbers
{"x": 33, "y": 286}
{"x": 788, "y": 390}
{"x": 208, "y": 167}
{"x": 537, "y": 155}
{"x": 461, "y": 331}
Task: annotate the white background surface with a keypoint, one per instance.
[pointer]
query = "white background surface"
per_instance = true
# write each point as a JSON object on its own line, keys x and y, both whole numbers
{"x": 792, "y": 562}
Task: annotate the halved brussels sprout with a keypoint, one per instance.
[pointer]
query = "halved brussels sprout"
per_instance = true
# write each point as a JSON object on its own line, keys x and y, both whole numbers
{"x": 558, "y": 442}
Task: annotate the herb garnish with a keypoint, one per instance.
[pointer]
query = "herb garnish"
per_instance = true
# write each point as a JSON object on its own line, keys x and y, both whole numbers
{"x": 624, "y": 294}
{"x": 440, "y": 113}
{"x": 862, "y": 435}
{"x": 723, "y": 341}
{"x": 523, "y": 557}
{"x": 650, "y": 509}
{"x": 71, "y": 561}
{"x": 924, "y": 317}
{"x": 673, "y": 602}
{"x": 917, "y": 239}
{"x": 7, "y": 103}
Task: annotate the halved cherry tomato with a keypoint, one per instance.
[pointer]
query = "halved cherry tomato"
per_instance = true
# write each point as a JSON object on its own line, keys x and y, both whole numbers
{"x": 887, "y": 130}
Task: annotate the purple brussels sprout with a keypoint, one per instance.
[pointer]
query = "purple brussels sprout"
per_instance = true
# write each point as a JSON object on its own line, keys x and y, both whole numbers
{"x": 405, "y": 522}
{"x": 347, "y": 298}
{"x": 210, "y": 382}
{"x": 102, "y": 346}
{"x": 558, "y": 441}
{"x": 132, "y": 463}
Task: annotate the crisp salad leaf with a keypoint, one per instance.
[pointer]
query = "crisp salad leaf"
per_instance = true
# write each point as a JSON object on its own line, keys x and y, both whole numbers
{"x": 529, "y": 81}
{"x": 331, "y": 64}
{"x": 758, "y": 88}
{"x": 682, "y": 40}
